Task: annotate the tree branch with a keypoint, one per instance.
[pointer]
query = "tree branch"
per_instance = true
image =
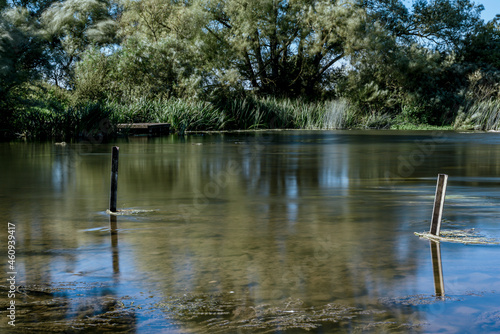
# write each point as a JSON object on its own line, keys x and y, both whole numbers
{"x": 327, "y": 66}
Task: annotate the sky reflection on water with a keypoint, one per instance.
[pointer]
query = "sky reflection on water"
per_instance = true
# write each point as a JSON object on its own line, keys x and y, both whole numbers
{"x": 320, "y": 217}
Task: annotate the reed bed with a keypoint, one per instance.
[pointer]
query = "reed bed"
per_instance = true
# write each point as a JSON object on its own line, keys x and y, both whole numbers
{"x": 480, "y": 115}
{"x": 242, "y": 114}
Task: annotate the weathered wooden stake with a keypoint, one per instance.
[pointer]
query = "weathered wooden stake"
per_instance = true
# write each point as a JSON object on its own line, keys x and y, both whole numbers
{"x": 114, "y": 179}
{"x": 437, "y": 212}
{"x": 437, "y": 268}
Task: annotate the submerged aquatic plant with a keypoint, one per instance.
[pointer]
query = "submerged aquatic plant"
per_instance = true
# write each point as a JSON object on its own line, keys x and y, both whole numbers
{"x": 469, "y": 236}
{"x": 68, "y": 308}
{"x": 219, "y": 313}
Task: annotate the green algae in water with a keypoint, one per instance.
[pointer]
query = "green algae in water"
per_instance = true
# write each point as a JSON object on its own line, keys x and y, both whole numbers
{"x": 468, "y": 236}
{"x": 205, "y": 313}
{"x": 416, "y": 300}
{"x": 220, "y": 314}
{"x": 66, "y": 308}
{"x": 125, "y": 212}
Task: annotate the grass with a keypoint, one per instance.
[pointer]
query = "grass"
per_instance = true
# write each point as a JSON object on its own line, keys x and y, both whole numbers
{"x": 42, "y": 121}
{"x": 426, "y": 127}
{"x": 236, "y": 114}
{"x": 195, "y": 115}
{"x": 44, "y": 116}
{"x": 481, "y": 115}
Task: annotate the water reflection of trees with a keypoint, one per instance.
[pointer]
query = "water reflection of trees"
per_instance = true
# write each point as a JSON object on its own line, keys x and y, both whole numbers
{"x": 309, "y": 216}
{"x": 299, "y": 218}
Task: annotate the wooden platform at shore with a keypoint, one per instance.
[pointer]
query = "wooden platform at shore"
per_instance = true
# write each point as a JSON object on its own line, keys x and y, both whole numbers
{"x": 151, "y": 129}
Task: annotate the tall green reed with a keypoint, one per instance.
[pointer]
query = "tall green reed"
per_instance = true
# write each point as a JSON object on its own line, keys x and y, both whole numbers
{"x": 237, "y": 113}
{"x": 481, "y": 115}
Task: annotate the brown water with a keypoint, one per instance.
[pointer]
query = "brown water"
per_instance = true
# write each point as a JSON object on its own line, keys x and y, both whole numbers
{"x": 252, "y": 232}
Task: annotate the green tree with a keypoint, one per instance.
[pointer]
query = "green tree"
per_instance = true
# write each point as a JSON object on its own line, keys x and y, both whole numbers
{"x": 412, "y": 68}
{"x": 21, "y": 57}
{"x": 154, "y": 20}
{"x": 482, "y": 46}
{"x": 156, "y": 58}
{"x": 21, "y": 52}
{"x": 91, "y": 76}
{"x": 276, "y": 47}
{"x": 35, "y": 7}
{"x": 480, "y": 58}
{"x": 138, "y": 69}
{"x": 435, "y": 24}
{"x": 72, "y": 26}
{"x": 283, "y": 48}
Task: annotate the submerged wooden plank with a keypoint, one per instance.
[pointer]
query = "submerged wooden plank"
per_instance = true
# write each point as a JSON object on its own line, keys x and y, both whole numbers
{"x": 141, "y": 125}
{"x": 154, "y": 129}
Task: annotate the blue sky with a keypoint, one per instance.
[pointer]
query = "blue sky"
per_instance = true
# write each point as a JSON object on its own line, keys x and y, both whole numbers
{"x": 491, "y": 8}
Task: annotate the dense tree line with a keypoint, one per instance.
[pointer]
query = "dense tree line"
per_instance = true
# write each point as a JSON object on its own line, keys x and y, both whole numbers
{"x": 423, "y": 63}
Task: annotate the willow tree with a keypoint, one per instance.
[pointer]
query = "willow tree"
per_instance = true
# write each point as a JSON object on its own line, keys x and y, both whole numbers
{"x": 286, "y": 48}
{"x": 34, "y": 7}
{"x": 154, "y": 20}
{"x": 435, "y": 24}
{"x": 70, "y": 27}
{"x": 414, "y": 69}
{"x": 158, "y": 56}
{"x": 21, "y": 51}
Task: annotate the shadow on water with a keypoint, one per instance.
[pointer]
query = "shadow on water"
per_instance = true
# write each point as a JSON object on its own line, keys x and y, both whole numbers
{"x": 113, "y": 231}
{"x": 437, "y": 268}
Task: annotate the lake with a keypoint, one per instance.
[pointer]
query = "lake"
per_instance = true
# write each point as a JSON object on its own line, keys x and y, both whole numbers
{"x": 252, "y": 232}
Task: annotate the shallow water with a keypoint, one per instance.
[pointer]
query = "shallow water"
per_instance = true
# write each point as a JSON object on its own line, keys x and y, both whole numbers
{"x": 278, "y": 231}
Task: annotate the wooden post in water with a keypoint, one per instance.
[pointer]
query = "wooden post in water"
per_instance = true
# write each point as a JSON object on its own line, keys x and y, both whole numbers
{"x": 114, "y": 179}
{"x": 437, "y": 212}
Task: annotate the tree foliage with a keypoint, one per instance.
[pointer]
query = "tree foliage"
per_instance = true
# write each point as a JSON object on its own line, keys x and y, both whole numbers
{"x": 437, "y": 24}
{"x": 386, "y": 57}
{"x": 35, "y": 7}
{"x": 70, "y": 27}
{"x": 481, "y": 46}
{"x": 21, "y": 52}
{"x": 139, "y": 69}
{"x": 284, "y": 48}
{"x": 414, "y": 67}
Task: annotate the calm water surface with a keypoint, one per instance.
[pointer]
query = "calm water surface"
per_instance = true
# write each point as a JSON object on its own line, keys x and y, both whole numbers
{"x": 253, "y": 232}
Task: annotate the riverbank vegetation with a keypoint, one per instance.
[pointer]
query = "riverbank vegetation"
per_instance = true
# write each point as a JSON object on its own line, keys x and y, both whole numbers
{"x": 68, "y": 66}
